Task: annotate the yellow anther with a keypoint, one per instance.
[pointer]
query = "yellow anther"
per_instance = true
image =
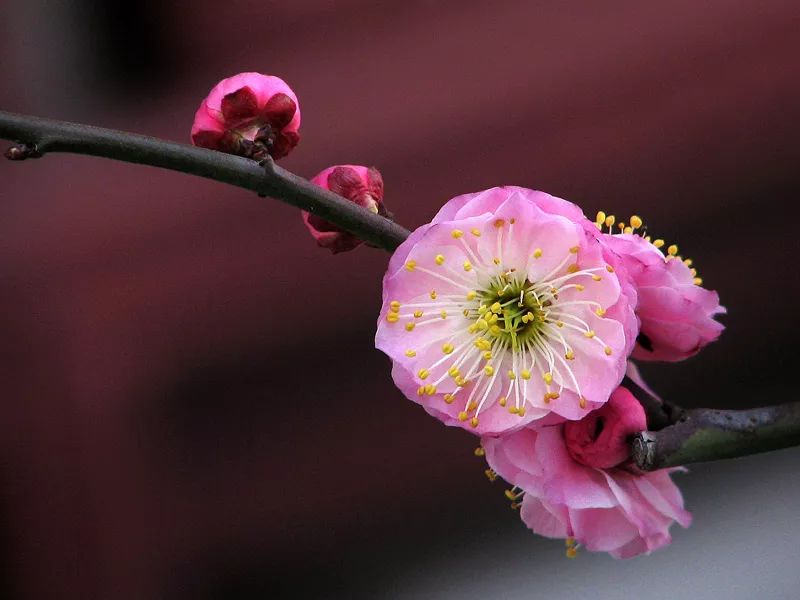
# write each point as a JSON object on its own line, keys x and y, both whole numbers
{"x": 511, "y": 374}
{"x": 443, "y": 314}
{"x": 525, "y": 374}
{"x": 621, "y": 226}
{"x": 471, "y": 295}
{"x": 647, "y": 238}
{"x": 410, "y": 353}
{"x": 551, "y": 396}
{"x": 512, "y": 220}
{"x": 482, "y": 325}
{"x": 439, "y": 259}
{"x": 485, "y": 344}
{"x": 496, "y": 308}
{"x": 472, "y": 328}
{"x": 421, "y": 390}
{"x": 473, "y": 422}
{"x": 609, "y": 268}
{"x": 601, "y": 217}
{"x": 548, "y": 378}
{"x": 698, "y": 281}
{"x": 467, "y": 265}
{"x": 513, "y": 410}
{"x": 457, "y": 233}
{"x": 570, "y": 541}
{"x": 521, "y": 411}
{"x": 574, "y": 249}
{"x": 572, "y": 268}
{"x": 658, "y": 243}
{"x": 410, "y": 326}
{"x": 608, "y": 350}
{"x": 553, "y": 290}
{"x": 496, "y": 261}
{"x": 448, "y": 398}
{"x": 688, "y": 262}
{"x": 589, "y": 334}
{"x": 493, "y": 319}
{"x": 447, "y": 348}
{"x": 482, "y": 309}
{"x": 672, "y": 250}
{"x": 580, "y": 287}
{"x": 495, "y": 330}
{"x": 610, "y": 219}
{"x": 490, "y": 475}
{"x": 559, "y": 323}
{"x": 430, "y": 389}
{"x": 537, "y": 253}
{"x": 453, "y": 371}
{"x": 462, "y": 416}
{"x": 499, "y": 223}
{"x": 411, "y": 265}
{"x": 472, "y": 406}
{"x": 479, "y": 451}
{"x": 487, "y": 355}
{"x": 502, "y": 401}
{"x": 636, "y": 221}
{"x": 418, "y": 314}
{"x": 569, "y": 355}
{"x": 392, "y": 317}
{"x": 475, "y": 231}
{"x": 460, "y": 381}
{"x": 394, "y": 305}
{"x": 433, "y": 294}
{"x": 693, "y": 272}
{"x": 572, "y": 552}
{"x": 423, "y": 373}
{"x": 489, "y": 370}
{"x": 510, "y": 494}
{"x": 628, "y": 230}
{"x": 600, "y": 312}
{"x": 582, "y": 402}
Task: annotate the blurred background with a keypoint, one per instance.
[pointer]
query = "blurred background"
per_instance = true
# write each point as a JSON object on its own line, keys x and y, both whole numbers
{"x": 179, "y": 421}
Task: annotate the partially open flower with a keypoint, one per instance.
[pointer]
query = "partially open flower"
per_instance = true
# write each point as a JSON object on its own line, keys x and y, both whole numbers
{"x": 503, "y": 311}
{"x": 249, "y": 114}
{"x": 571, "y": 481}
{"x": 360, "y": 185}
{"x": 676, "y": 312}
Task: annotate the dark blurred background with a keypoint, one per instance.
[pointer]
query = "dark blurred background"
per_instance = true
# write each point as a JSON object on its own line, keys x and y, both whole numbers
{"x": 192, "y": 404}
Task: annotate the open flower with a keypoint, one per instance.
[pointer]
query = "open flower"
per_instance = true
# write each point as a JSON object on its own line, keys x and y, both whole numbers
{"x": 249, "y": 114}
{"x": 503, "y": 310}
{"x": 675, "y": 311}
{"x": 571, "y": 481}
{"x": 360, "y": 185}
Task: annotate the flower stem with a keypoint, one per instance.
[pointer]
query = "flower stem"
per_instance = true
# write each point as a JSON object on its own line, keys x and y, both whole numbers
{"x": 38, "y": 136}
{"x": 694, "y": 435}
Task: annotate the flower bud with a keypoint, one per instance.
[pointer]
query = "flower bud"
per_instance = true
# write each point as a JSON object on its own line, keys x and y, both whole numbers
{"x": 600, "y": 439}
{"x": 361, "y": 185}
{"x": 249, "y": 114}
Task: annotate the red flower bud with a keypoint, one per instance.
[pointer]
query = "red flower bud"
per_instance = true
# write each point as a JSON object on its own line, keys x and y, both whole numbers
{"x": 249, "y": 114}
{"x": 361, "y": 185}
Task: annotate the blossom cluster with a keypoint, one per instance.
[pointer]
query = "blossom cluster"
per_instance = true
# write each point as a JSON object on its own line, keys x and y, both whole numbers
{"x": 515, "y": 317}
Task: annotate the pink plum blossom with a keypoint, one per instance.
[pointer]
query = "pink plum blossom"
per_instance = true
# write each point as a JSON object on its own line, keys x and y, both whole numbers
{"x": 249, "y": 114}
{"x": 361, "y": 185}
{"x": 504, "y": 311}
{"x": 675, "y": 312}
{"x": 573, "y": 482}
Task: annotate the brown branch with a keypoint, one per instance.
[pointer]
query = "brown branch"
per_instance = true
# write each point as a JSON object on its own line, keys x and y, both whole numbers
{"x": 37, "y": 136}
{"x": 682, "y": 437}
{"x": 703, "y": 434}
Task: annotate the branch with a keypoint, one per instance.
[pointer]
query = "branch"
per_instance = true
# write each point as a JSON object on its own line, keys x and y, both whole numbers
{"x": 39, "y": 136}
{"x": 686, "y": 437}
{"x": 703, "y": 434}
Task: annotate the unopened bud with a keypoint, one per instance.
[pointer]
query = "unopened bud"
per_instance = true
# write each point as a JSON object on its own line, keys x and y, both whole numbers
{"x": 249, "y": 114}
{"x": 361, "y": 185}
